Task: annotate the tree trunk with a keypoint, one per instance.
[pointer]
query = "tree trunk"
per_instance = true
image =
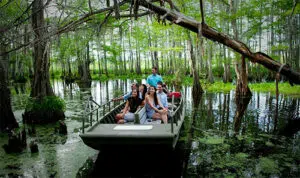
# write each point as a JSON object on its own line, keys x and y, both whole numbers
{"x": 87, "y": 74}
{"x": 155, "y": 62}
{"x": 242, "y": 77}
{"x": 122, "y": 69}
{"x": 210, "y": 74}
{"x": 130, "y": 50}
{"x": 41, "y": 86}
{"x": 7, "y": 119}
{"x": 214, "y": 35}
{"x": 41, "y": 82}
{"x": 99, "y": 63}
{"x": 138, "y": 58}
{"x": 242, "y": 80}
{"x": 197, "y": 89}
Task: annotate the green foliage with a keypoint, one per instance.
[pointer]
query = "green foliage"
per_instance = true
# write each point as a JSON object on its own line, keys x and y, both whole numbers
{"x": 179, "y": 76}
{"x": 211, "y": 140}
{"x": 9, "y": 11}
{"x": 268, "y": 166}
{"x": 219, "y": 86}
{"x": 284, "y": 88}
{"x": 112, "y": 76}
{"x": 49, "y": 103}
{"x": 117, "y": 93}
{"x": 218, "y": 71}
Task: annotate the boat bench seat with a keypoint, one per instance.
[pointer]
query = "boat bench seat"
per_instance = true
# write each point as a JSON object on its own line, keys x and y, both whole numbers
{"x": 141, "y": 116}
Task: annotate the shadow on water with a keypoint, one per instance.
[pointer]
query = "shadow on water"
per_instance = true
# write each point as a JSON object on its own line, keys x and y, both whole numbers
{"x": 138, "y": 162}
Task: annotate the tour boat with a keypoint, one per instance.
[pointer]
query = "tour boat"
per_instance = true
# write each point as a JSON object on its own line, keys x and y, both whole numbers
{"x": 106, "y": 133}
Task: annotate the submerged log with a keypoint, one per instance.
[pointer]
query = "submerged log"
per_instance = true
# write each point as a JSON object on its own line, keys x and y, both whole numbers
{"x": 212, "y": 34}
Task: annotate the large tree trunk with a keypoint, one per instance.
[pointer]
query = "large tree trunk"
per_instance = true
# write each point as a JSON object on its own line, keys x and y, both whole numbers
{"x": 84, "y": 69}
{"x": 41, "y": 86}
{"x": 214, "y": 35}
{"x": 41, "y": 82}
{"x": 197, "y": 89}
{"x": 86, "y": 77}
{"x": 7, "y": 119}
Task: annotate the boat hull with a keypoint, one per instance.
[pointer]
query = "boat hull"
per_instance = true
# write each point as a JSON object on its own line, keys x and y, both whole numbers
{"x": 110, "y": 135}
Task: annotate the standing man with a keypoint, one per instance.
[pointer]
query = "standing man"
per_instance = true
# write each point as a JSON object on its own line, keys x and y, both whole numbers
{"x": 153, "y": 78}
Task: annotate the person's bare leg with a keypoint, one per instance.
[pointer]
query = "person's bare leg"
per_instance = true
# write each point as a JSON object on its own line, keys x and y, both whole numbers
{"x": 121, "y": 121}
{"x": 164, "y": 117}
{"x": 156, "y": 116}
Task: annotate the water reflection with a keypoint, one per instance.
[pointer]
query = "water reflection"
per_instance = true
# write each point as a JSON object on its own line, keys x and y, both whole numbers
{"x": 189, "y": 134}
{"x": 222, "y": 136}
{"x": 241, "y": 106}
{"x": 245, "y": 137}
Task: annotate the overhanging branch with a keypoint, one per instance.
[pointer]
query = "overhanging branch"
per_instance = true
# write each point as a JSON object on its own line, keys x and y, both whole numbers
{"x": 69, "y": 26}
{"x": 214, "y": 35}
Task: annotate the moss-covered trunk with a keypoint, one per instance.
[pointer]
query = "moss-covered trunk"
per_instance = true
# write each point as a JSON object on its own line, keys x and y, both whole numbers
{"x": 41, "y": 87}
{"x": 41, "y": 81}
{"x": 7, "y": 119}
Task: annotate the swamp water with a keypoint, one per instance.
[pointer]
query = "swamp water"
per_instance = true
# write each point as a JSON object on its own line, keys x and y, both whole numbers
{"x": 256, "y": 138}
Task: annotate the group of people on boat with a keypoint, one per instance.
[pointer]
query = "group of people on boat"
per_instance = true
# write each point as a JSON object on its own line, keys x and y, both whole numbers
{"x": 152, "y": 95}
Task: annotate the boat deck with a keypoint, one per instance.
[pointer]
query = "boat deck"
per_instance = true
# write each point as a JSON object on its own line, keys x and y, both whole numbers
{"x": 113, "y": 130}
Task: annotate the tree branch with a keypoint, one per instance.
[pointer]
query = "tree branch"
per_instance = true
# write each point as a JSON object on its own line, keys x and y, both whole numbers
{"x": 24, "y": 20}
{"x": 214, "y": 35}
{"x": 71, "y": 25}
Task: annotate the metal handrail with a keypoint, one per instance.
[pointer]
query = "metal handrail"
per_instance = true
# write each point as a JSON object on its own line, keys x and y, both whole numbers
{"x": 172, "y": 119}
{"x": 176, "y": 111}
{"x": 88, "y": 111}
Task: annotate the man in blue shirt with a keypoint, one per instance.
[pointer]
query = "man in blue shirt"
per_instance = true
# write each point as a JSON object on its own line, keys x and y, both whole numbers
{"x": 127, "y": 95}
{"x": 153, "y": 78}
{"x": 162, "y": 96}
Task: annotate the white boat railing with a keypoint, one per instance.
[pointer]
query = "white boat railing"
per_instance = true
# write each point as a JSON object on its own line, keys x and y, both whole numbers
{"x": 93, "y": 108}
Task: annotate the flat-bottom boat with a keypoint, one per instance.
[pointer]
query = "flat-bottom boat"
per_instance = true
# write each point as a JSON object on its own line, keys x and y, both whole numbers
{"x": 105, "y": 133}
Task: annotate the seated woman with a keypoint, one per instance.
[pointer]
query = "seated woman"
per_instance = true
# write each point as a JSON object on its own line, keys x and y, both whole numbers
{"x": 130, "y": 108}
{"x": 142, "y": 93}
{"x": 154, "y": 108}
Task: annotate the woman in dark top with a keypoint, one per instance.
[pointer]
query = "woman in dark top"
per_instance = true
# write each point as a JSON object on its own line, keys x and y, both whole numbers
{"x": 131, "y": 106}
